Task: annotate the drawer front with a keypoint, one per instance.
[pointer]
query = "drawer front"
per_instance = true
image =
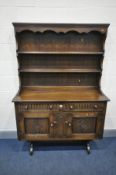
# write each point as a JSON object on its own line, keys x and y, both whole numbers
{"x": 81, "y": 106}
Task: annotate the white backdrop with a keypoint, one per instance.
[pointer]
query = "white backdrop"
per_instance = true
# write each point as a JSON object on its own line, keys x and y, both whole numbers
{"x": 53, "y": 11}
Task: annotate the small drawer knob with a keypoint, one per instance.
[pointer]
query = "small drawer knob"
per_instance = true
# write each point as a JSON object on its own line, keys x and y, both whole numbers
{"x": 78, "y": 80}
{"x": 26, "y": 107}
{"x": 60, "y": 107}
{"x": 95, "y": 106}
{"x": 51, "y": 107}
{"x": 71, "y": 106}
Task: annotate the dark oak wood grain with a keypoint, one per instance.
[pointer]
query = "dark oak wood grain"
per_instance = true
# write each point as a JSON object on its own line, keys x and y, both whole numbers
{"x": 60, "y": 68}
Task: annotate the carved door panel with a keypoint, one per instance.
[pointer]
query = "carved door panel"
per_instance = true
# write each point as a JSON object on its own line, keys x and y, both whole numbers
{"x": 85, "y": 124}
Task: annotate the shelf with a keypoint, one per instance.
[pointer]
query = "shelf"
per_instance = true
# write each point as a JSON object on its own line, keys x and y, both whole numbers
{"x": 50, "y": 52}
{"x": 60, "y": 70}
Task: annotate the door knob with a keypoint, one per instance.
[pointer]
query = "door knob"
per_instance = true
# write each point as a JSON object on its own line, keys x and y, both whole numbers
{"x": 66, "y": 122}
{"x": 51, "y": 125}
{"x": 69, "y": 124}
{"x": 55, "y": 122}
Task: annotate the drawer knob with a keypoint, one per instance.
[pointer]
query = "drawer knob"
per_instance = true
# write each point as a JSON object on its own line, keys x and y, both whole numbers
{"x": 95, "y": 106}
{"x": 60, "y": 107}
{"x": 51, "y": 107}
{"x": 26, "y": 106}
{"x": 79, "y": 81}
{"x": 71, "y": 106}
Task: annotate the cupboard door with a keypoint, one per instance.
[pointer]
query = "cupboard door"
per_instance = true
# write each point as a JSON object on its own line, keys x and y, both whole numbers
{"x": 84, "y": 125}
{"x": 87, "y": 125}
{"x": 56, "y": 124}
{"x": 60, "y": 124}
{"x": 33, "y": 126}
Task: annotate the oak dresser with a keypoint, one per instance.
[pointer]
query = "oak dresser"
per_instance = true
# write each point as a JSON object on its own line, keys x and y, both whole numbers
{"x": 60, "y": 68}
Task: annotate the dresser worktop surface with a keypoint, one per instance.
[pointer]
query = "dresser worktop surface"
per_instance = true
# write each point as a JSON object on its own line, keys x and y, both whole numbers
{"x": 60, "y": 93}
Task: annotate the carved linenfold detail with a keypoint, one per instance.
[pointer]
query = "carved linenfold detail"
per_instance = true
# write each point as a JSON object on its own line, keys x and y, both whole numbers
{"x": 66, "y": 107}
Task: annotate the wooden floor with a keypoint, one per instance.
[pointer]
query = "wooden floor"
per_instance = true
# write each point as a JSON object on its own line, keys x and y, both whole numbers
{"x": 61, "y": 93}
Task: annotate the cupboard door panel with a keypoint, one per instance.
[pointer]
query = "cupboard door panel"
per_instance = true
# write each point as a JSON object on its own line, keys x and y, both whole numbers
{"x": 84, "y": 125}
{"x": 33, "y": 124}
{"x": 36, "y": 125}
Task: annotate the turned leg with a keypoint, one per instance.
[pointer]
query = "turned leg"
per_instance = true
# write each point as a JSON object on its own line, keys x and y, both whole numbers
{"x": 88, "y": 148}
{"x": 31, "y": 149}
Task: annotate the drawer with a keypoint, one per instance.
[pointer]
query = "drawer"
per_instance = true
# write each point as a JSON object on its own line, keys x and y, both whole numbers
{"x": 74, "y": 106}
